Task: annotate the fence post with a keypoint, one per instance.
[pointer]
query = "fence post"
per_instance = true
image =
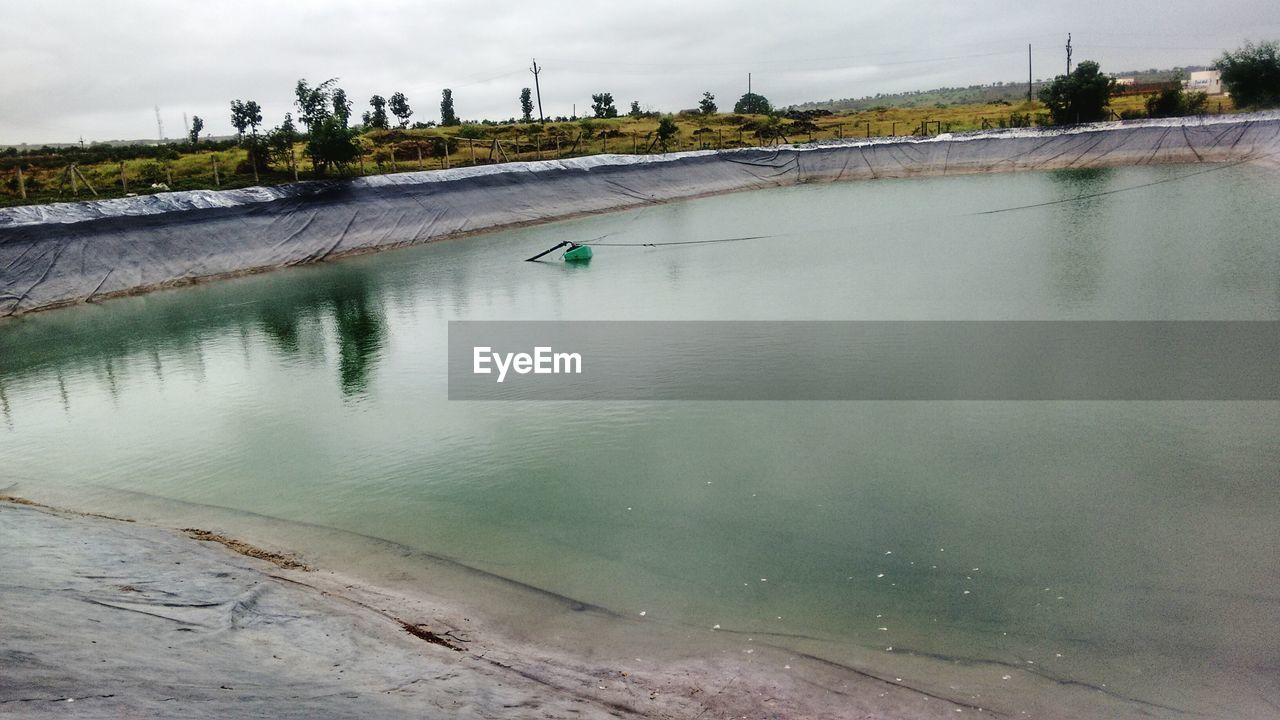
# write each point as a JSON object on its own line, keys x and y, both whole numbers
{"x": 168, "y": 176}
{"x": 868, "y": 129}
{"x": 293, "y": 163}
{"x": 635, "y": 143}
{"x": 604, "y": 139}
{"x": 22, "y": 184}
{"x": 419, "y": 146}
{"x": 124, "y": 184}
{"x": 393, "y": 159}
{"x": 472, "y": 144}
{"x": 254, "y": 162}
{"x": 217, "y": 181}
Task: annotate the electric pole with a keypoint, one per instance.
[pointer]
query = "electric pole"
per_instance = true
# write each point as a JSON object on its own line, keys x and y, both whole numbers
{"x": 159, "y": 126}
{"x": 1028, "y": 72}
{"x": 748, "y": 83}
{"x": 535, "y": 70}
{"x": 1068, "y": 53}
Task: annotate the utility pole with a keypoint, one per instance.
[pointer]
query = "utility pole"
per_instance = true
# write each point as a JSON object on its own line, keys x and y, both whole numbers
{"x": 748, "y": 83}
{"x": 535, "y": 70}
{"x": 159, "y": 126}
{"x": 1029, "y": 96}
{"x": 186, "y": 126}
{"x": 1068, "y": 53}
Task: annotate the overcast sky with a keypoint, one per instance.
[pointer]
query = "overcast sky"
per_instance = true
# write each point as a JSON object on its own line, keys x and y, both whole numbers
{"x": 97, "y": 69}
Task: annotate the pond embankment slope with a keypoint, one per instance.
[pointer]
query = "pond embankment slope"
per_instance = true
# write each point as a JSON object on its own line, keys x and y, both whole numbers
{"x": 75, "y": 252}
{"x": 104, "y": 617}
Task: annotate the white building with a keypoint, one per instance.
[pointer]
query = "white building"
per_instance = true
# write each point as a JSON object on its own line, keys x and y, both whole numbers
{"x": 1206, "y": 81}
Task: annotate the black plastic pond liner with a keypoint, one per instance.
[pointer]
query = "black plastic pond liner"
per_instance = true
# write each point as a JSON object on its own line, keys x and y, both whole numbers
{"x": 73, "y": 252}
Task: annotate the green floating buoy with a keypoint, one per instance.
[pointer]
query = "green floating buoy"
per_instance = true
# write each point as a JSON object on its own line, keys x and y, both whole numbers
{"x": 577, "y": 253}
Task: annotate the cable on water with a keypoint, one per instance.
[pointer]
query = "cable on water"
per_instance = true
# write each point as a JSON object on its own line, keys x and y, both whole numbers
{"x": 679, "y": 242}
{"x": 1088, "y": 196}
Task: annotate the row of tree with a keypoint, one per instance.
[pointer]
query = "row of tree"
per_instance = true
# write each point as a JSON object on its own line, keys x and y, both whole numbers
{"x": 1251, "y": 74}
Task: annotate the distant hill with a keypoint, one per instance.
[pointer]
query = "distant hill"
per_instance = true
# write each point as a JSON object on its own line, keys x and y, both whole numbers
{"x": 1010, "y": 92}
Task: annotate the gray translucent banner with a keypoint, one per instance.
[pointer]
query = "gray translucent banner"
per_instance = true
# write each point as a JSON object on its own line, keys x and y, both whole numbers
{"x": 1054, "y": 360}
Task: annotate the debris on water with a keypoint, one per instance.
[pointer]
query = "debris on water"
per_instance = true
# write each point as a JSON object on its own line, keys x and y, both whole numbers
{"x": 884, "y": 629}
{"x": 880, "y": 575}
{"x": 888, "y": 552}
{"x": 786, "y": 667}
{"x": 1007, "y": 677}
{"x": 889, "y": 649}
{"x": 966, "y": 592}
{"x": 715, "y": 627}
{"x": 642, "y": 613}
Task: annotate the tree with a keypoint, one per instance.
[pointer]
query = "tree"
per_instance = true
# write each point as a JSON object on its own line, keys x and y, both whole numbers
{"x": 752, "y": 104}
{"x": 325, "y": 110}
{"x": 447, "y": 116}
{"x": 341, "y": 106}
{"x": 239, "y": 120}
{"x": 280, "y": 141}
{"x": 400, "y": 108}
{"x": 331, "y": 144}
{"x": 376, "y": 118}
{"x": 1172, "y": 101}
{"x": 635, "y": 109}
{"x": 526, "y": 104}
{"x": 253, "y": 115}
{"x": 602, "y": 105}
{"x": 196, "y": 126}
{"x": 1082, "y": 96}
{"x": 1252, "y": 74}
{"x": 667, "y": 131}
{"x": 313, "y": 102}
{"x": 707, "y": 105}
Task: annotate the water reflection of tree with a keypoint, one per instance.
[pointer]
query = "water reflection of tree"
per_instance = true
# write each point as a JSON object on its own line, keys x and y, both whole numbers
{"x": 361, "y": 329}
{"x": 1078, "y": 235}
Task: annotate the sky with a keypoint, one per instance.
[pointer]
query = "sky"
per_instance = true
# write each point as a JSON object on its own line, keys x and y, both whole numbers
{"x": 97, "y": 70}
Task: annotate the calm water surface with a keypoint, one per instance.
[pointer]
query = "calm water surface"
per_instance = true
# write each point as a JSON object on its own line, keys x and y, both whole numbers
{"x": 1125, "y": 549}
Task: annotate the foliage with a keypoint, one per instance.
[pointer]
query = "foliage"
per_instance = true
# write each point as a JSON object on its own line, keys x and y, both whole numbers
{"x": 280, "y": 140}
{"x": 635, "y": 109}
{"x": 448, "y": 117}
{"x": 399, "y": 105}
{"x": 667, "y": 131}
{"x": 471, "y": 132}
{"x": 197, "y": 124}
{"x": 1252, "y": 74}
{"x": 752, "y": 104}
{"x": 1082, "y": 96}
{"x": 526, "y": 104}
{"x": 1173, "y": 101}
{"x": 245, "y": 115}
{"x": 602, "y": 105}
{"x": 313, "y": 102}
{"x": 325, "y": 110}
{"x": 341, "y": 106}
{"x": 376, "y": 117}
{"x": 331, "y": 144}
{"x": 707, "y": 105}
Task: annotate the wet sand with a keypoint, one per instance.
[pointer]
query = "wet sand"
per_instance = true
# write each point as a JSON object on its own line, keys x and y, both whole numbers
{"x": 106, "y": 617}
